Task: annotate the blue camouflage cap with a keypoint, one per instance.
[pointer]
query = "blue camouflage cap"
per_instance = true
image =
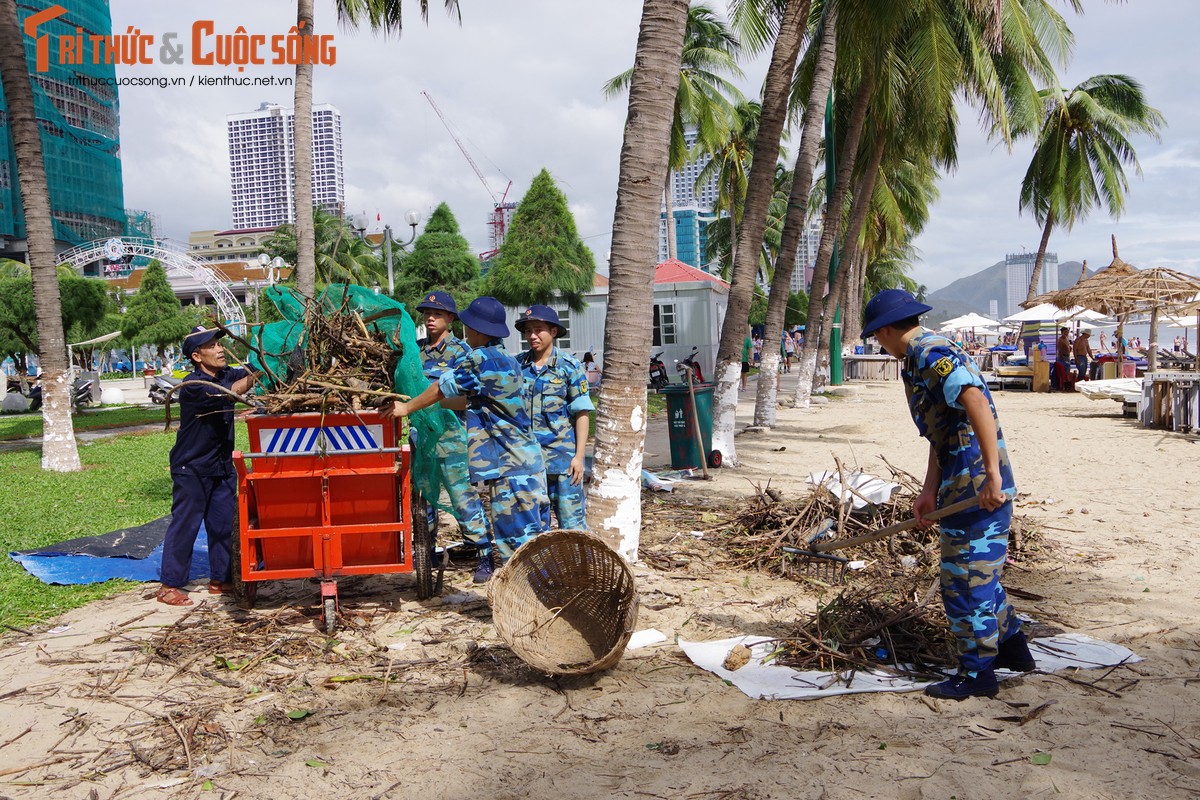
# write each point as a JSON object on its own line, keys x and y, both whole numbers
{"x": 438, "y": 301}
{"x": 486, "y": 315}
{"x": 540, "y": 313}
{"x": 889, "y": 306}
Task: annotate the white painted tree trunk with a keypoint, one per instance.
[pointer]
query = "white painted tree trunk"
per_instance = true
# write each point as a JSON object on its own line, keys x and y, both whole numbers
{"x": 725, "y": 397}
{"x": 621, "y": 484}
{"x": 767, "y": 398}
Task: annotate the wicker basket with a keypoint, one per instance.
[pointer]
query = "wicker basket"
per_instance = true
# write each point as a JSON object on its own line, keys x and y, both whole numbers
{"x": 565, "y": 603}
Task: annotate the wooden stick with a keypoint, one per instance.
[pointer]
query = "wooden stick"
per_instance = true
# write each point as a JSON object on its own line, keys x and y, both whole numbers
{"x": 898, "y": 527}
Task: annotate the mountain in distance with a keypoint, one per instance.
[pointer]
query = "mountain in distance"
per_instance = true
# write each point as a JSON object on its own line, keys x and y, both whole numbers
{"x": 974, "y": 292}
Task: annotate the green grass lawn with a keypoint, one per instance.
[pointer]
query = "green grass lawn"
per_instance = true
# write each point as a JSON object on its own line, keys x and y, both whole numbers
{"x": 24, "y": 426}
{"x": 124, "y": 482}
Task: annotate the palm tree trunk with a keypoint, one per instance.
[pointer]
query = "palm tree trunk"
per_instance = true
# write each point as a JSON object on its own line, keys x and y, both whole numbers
{"x": 858, "y": 215}
{"x": 829, "y": 235}
{"x": 669, "y": 205}
{"x": 766, "y": 396}
{"x": 58, "y": 440}
{"x": 302, "y": 137}
{"x": 614, "y": 497}
{"x": 1036, "y": 276}
{"x": 759, "y": 190}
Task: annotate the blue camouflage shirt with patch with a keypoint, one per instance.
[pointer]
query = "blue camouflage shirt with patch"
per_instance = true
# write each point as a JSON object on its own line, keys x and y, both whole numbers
{"x": 935, "y": 373}
{"x": 500, "y": 440}
{"x": 557, "y": 392}
{"x": 437, "y": 358}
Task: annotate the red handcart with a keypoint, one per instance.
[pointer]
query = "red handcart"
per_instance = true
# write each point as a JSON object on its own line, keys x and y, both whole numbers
{"x": 324, "y": 495}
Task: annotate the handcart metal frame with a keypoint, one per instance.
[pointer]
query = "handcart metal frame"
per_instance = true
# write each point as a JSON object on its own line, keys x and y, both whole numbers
{"x": 326, "y": 495}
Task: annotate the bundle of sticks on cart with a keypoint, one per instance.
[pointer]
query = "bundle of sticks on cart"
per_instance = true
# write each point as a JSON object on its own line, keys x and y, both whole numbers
{"x": 342, "y": 366}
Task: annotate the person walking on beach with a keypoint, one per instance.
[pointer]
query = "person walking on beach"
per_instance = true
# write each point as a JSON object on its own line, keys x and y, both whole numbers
{"x": 203, "y": 483}
{"x": 501, "y": 449}
{"x": 953, "y": 410}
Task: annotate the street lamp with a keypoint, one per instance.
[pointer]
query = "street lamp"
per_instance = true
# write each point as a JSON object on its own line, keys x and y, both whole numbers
{"x": 359, "y": 222}
{"x": 271, "y": 266}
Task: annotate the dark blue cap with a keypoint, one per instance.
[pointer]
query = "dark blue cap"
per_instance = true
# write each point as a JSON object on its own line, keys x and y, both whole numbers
{"x": 438, "y": 301}
{"x": 486, "y": 315}
{"x": 199, "y": 337}
{"x": 540, "y": 313}
{"x": 889, "y": 306}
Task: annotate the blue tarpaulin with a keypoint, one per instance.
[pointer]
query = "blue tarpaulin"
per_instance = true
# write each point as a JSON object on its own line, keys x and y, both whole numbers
{"x": 103, "y": 558}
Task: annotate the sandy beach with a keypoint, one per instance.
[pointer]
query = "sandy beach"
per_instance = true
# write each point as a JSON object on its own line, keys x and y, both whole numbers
{"x": 125, "y": 700}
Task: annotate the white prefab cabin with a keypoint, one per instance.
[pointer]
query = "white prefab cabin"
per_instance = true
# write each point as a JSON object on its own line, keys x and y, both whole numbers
{"x": 689, "y": 306}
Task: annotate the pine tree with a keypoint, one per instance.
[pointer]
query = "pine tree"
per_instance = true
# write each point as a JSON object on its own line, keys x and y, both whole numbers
{"x": 441, "y": 258}
{"x": 542, "y": 258}
{"x": 154, "y": 315}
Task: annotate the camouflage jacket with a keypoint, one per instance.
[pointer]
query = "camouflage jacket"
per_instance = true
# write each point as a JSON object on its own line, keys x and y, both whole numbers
{"x": 935, "y": 374}
{"x": 557, "y": 392}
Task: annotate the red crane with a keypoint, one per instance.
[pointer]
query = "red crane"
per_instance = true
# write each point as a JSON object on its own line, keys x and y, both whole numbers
{"x": 499, "y": 207}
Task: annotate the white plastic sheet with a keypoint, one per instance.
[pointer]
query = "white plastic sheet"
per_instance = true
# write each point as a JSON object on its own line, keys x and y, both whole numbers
{"x": 767, "y": 681}
{"x": 860, "y": 489}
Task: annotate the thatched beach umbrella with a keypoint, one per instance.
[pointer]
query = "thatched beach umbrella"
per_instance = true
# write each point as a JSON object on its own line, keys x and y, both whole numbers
{"x": 1121, "y": 290}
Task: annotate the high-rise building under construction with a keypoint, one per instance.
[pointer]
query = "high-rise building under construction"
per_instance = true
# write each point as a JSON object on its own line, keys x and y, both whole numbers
{"x": 78, "y": 113}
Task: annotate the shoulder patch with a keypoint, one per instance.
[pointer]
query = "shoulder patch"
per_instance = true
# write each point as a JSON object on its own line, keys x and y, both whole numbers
{"x": 583, "y": 386}
{"x": 943, "y": 366}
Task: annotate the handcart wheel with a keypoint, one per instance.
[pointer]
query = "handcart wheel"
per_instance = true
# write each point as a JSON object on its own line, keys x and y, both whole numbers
{"x": 422, "y": 548}
{"x": 330, "y": 615}
{"x": 715, "y": 459}
{"x": 244, "y": 593}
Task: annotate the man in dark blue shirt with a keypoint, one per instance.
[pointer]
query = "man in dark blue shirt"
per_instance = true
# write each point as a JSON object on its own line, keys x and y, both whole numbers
{"x": 202, "y": 476}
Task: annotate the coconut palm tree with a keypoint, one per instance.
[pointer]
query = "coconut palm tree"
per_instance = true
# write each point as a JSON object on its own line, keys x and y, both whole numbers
{"x": 919, "y": 57}
{"x": 729, "y": 163}
{"x": 614, "y": 496}
{"x": 792, "y": 24}
{"x": 704, "y": 100}
{"x": 823, "y": 45}
{"x": 381, "y": 16}
{"x": 59, "y": 452}
{"x": 1082, "y": 149}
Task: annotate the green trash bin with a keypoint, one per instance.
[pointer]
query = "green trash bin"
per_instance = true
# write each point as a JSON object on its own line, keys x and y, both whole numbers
{"x": 680, "y": 430}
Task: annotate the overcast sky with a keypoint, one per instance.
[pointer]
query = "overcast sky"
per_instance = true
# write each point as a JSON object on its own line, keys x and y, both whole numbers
{"x": 520, "y": 82}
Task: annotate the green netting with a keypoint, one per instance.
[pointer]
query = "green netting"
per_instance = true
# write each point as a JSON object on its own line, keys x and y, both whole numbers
{"x": 440, "y": 433}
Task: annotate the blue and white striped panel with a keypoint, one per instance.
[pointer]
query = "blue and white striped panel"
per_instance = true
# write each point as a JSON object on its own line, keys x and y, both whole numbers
{"x": 328, "y": 438}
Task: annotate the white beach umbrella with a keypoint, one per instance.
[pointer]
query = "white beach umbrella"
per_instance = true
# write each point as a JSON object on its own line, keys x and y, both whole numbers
{"x": 1047, "y": 311}
{"x": 968, "y": 321}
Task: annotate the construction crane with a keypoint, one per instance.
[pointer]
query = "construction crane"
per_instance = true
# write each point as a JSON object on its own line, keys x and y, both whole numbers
{"x": 501, "y": 209}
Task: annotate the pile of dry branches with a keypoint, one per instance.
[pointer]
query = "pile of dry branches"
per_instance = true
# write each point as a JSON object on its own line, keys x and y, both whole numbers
{"x": 766, "y": 523}
{"x": 907, "y": 633}
{"x": 342, "y": 366}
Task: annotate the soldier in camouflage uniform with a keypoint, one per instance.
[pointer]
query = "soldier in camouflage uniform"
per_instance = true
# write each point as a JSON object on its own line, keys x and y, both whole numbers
{"x": 501, "y": 448}
{"x": 558, "y": 405}
{"x": 441, "y": 350}
{"x": 953, "y": 409}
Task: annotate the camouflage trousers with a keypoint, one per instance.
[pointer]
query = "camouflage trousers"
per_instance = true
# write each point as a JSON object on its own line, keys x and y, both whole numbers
{"x": 566, "y": 500}
{"x": 519, "y": 510}
{"x": 974, "y": 548}
{"x": 464, "y": 500}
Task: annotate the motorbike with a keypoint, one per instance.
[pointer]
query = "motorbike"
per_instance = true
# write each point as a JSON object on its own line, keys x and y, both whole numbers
{"x": 81, "y": 395}
{"x": 160, "y": 387}
{"x": 658, "y": 373}
{"x": 690, "y": 366}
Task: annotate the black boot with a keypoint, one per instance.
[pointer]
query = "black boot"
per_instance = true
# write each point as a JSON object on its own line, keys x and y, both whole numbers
{"x": 1014, "y": 654}
{"x": 960, "y": 687}
{"x": 483, "y": 572}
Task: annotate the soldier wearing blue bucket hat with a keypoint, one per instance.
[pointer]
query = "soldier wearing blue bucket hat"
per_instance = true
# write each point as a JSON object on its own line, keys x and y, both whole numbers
{"x": 442, "y": 351}
{"x": 953, "y": 409}
{"x": 559, "y": 403}
{"x": 501, "y": 449}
